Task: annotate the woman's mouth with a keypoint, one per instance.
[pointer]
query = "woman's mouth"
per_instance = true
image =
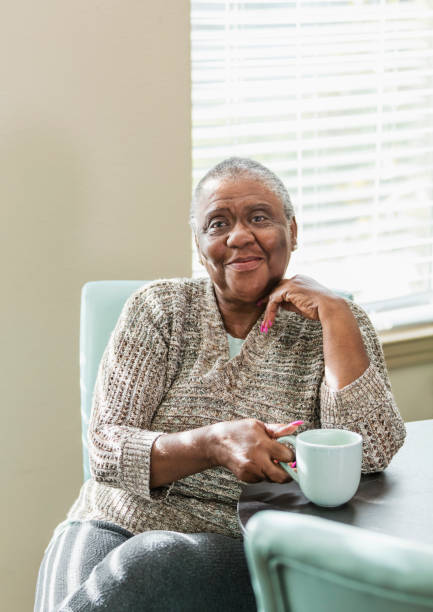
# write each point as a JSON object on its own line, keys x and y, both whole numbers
{"x": 245, "y": 264}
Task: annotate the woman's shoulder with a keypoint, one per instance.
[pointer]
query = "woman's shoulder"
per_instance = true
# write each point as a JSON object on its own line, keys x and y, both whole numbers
{"x": 164, "y": 303}
{"x": 165, "y": 297}
{"x": 169, "y": 288}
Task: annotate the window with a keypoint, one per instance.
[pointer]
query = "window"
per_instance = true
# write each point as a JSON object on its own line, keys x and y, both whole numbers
{"x": 336, "y": 97}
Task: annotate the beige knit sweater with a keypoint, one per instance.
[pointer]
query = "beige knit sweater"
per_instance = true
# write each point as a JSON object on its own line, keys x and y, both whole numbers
{"x": 166, "y": 368}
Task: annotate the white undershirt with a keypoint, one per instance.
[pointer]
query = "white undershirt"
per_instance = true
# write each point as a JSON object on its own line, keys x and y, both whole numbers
{"x": 235, "y": 345}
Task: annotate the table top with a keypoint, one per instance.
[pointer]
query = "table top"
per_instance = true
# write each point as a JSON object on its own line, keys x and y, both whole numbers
{"x": 397, "y": 501}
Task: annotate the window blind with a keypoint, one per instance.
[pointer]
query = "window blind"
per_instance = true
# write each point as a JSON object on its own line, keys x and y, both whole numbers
{"x": 336, "y": 97}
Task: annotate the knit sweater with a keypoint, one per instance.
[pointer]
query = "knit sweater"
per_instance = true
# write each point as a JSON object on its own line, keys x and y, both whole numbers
{"x": 167, "y": 368}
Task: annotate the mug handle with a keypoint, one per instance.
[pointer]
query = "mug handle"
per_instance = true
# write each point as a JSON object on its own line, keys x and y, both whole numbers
{"x": 292, "y": 441}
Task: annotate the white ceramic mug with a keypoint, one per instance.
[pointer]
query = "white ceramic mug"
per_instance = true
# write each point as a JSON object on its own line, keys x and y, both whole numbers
{"x": 328, "y": 463}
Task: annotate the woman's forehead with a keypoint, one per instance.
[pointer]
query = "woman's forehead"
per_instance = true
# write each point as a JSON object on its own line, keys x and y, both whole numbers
{"x": 219, "y": 190}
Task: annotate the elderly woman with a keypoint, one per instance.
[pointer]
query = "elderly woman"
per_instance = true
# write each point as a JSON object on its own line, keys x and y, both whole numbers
{"x": 199, "y": 378}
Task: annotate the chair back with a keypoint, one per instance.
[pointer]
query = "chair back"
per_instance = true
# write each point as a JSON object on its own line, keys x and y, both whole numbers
{"x": 101, "y": 305}
{"x": 301, "y": 563}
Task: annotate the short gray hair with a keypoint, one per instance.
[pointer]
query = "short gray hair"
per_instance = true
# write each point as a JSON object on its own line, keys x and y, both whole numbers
{"x": 236, "y": 167}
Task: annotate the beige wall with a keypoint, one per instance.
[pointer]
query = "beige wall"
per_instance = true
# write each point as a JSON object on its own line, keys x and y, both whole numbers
{"x": 95, "y": 184}
{"x": 413, "y": 391}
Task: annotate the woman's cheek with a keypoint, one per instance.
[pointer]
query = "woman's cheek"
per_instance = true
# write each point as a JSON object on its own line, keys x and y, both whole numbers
{"x": 281, "y": 243}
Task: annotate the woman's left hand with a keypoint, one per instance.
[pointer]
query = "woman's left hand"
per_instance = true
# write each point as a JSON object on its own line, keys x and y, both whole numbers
{"x": 300, "y": 294}
{"x": 341, "y": 333}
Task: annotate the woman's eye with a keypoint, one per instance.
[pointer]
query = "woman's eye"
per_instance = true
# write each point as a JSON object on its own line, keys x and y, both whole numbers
{"x": 216, "y": 224}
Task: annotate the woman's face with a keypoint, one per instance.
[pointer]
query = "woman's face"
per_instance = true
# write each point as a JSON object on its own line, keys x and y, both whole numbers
{"x": 243, "y": 238}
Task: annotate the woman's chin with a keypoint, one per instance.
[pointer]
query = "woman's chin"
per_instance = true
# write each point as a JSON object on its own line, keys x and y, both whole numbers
{"x": 248, "y": 291}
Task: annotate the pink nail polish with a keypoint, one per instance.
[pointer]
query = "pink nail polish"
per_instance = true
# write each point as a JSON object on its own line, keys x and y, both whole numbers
{"x": 293, "y": 464}
{"x": 297, "y": 423}
{"x": 269, "y": 323}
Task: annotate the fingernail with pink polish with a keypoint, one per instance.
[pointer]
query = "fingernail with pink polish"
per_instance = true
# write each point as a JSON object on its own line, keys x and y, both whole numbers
{"x": 293, "y": 464}
{"x": 297, "y": 423}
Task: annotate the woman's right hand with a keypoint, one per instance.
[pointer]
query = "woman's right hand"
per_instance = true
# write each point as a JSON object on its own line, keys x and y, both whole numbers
{"x": 249, "y": 448}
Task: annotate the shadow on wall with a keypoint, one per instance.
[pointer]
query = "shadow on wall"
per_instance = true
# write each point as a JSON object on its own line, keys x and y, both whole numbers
{"x": 44, "y": 201}
{"x": 43, "y": 191}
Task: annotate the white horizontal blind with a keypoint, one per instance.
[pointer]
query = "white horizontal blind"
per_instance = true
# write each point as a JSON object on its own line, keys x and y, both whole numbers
{"x": 336, "y": 97}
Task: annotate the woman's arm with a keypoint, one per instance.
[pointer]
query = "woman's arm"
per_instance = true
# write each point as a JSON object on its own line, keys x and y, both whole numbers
{"x": 366, "y": 405}
{"x": 343, "y": 349}
{"x": 356, "y": 392}
{"x": 129, "y": 387}
{"x": 247, "y": 447}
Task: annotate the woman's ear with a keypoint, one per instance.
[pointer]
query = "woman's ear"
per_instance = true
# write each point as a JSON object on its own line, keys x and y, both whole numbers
{"x": 198, "y": 249}
{"x": 294, "y": 233}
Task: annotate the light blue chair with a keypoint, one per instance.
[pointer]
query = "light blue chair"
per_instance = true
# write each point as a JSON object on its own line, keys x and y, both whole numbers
{"x": 301, "y": 563}
{"x": 101, "y": 305}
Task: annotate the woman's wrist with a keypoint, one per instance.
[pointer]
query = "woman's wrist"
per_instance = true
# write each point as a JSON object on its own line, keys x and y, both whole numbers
{"x": 211, "y": 441}
{"x": 177, "y": 455}
{"x": 331, "y": 307}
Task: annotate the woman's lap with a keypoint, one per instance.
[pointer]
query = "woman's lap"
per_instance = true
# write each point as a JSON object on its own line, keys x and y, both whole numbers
{"x": 94, "y": 565}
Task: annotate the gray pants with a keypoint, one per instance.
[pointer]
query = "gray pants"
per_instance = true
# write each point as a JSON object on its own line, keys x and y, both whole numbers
{"x": 95, "y": 565}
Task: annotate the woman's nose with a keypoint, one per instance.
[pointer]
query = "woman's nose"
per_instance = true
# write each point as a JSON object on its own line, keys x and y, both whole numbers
{"x": 240, "y": 236}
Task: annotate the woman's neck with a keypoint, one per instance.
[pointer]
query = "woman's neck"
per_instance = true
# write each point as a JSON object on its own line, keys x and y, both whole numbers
{"x": 238, "y": 319}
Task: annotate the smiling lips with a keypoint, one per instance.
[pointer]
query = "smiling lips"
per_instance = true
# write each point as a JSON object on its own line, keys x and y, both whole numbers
{"x": 244, "y": 264}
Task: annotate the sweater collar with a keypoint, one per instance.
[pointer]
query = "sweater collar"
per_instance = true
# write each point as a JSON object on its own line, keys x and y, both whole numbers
{"x": 214, "y": 357}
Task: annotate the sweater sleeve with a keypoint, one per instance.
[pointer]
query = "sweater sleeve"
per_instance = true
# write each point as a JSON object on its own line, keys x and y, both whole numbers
{"x": 366, "y": 405}
{"x": 128, "y": 389}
